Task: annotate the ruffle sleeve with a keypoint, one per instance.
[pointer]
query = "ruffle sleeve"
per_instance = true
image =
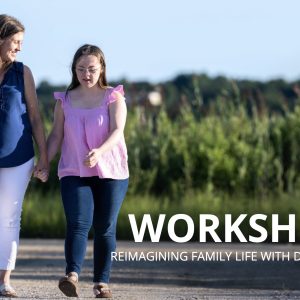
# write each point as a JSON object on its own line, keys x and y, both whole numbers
{"x": 61, "y": 96}
{"x": 113, "y": 95}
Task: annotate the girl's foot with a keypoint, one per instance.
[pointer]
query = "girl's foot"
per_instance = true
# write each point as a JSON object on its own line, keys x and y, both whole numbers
{"x": 101, "y": 290}
{"x": 68, "y": 284}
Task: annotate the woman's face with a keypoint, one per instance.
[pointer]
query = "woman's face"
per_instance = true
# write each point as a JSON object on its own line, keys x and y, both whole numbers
{"x": 11, "y": 46}
{"x": 88, "y": 70}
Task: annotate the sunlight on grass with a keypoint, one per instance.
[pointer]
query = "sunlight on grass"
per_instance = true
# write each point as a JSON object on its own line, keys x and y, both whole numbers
{"x": 43, "y": 214}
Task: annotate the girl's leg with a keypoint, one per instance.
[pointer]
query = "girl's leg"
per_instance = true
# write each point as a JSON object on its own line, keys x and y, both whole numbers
{"x": 78, "y": 204}
{"x": 108, "y": 197}
{"x": 13, "y": 185}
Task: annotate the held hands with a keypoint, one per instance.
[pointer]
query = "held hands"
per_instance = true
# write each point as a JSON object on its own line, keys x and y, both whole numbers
{"x": 41, "y": 170}
{"x": 92, "y": 158}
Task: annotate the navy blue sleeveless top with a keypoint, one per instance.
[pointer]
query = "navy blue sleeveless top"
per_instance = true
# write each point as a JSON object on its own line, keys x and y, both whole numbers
{"x": 16, "y": 146}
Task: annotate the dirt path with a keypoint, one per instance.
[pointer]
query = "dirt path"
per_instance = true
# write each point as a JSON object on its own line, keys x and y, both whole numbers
{"x": 41, "y": 263}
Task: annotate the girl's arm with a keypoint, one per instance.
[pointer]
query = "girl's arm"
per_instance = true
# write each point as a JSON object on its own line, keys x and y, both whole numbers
{"x": 55, "y": 138}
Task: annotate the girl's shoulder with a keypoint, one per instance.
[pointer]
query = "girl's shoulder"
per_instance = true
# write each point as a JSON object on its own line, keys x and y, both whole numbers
{"x": 116, "y": 93}
{"x": 61, "y": 96}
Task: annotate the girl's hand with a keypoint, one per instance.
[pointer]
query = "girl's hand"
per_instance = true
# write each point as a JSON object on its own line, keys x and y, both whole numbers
{"x": 42, "y": 175}
{"x": 41, "y": 170}
{"x": 92, "y": 158}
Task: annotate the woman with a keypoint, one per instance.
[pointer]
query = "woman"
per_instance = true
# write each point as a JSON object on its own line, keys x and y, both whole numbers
{"x": 19, "y": 121}
{"x": 89, "y": 121}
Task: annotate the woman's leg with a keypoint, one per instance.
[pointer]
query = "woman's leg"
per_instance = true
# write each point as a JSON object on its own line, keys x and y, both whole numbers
{"x": 13, "y": 185}
{"x": 108, "y": 197}
{"x": 78, "y": 205}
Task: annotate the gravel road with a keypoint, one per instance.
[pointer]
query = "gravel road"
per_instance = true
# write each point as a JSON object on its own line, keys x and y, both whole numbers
{"x": 210, "y": 271}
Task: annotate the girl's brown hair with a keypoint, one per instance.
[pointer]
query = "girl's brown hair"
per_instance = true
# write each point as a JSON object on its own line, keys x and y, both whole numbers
{"x": 88, "y": 50}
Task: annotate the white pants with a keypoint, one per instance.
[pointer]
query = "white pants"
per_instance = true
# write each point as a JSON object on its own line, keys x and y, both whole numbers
{"x": 13, "y": 185}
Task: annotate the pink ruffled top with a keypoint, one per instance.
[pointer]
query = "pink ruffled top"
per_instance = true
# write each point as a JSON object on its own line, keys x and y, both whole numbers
{"x": 87, "y": 129}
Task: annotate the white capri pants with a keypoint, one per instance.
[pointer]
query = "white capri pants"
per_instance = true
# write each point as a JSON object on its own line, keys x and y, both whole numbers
{"x": 13, "y": 185}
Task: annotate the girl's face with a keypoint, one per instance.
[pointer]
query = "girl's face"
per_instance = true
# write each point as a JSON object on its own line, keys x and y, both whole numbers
{"x": 88, "y": 70}
{"x": 11, "y": 46}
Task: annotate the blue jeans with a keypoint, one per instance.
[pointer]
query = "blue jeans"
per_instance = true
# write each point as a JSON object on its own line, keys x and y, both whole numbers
{"x": 91, "y": 201}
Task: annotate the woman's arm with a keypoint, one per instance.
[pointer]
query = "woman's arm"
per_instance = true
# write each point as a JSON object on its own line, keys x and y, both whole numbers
{"x": 57, "y": 133}
{"x": 117, "y": 114}
{"x": 42, "y": 167}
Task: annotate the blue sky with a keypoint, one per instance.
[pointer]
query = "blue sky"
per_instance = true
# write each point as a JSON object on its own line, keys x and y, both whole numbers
{"x": 159, "y": 39}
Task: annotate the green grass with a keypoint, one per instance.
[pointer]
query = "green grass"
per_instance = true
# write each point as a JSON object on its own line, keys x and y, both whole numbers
{"x": 43, "y": 214}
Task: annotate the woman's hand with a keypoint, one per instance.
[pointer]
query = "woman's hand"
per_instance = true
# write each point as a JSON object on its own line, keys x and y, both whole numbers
{"x": 92, "y": 158}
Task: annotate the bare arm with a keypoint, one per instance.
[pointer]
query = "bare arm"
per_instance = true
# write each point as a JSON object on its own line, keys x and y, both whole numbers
{"x": 42, "y": 166}
{"x": 57, "y": 133}
{"x": 117, "y": 114}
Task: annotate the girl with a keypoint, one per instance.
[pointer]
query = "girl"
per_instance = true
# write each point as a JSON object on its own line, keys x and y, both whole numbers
{"x": 89, "y": 121}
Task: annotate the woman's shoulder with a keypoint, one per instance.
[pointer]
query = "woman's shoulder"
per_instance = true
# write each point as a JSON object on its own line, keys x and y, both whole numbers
{"x": 27, "y": 74}
{"x": 24, "y": 68}
{"x": 18, "y": 67}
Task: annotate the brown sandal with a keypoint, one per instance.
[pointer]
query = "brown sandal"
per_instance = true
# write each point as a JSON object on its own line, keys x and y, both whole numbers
{"x": 102, "y": 291}
{"x": 68, "y": 285}
{"x": 7, "y": 291}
